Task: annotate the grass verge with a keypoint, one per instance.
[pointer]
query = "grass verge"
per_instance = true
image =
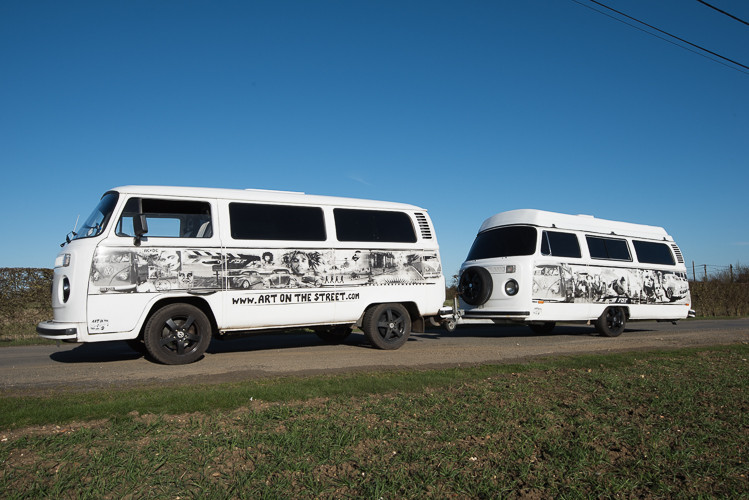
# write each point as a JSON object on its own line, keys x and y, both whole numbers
{"x": 671, "y": 424}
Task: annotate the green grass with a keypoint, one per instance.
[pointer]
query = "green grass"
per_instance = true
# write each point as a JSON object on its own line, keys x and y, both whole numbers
{"x": 656, "y": 424}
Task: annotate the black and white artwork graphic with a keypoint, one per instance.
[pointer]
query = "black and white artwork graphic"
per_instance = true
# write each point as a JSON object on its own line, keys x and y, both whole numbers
{"x": 570, "y": 283}
{"x": 164, "y": 269}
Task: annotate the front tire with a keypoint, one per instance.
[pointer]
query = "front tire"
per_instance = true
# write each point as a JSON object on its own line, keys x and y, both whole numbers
{"x": 177, "y": 334}
{"x": 612, "y": 322}
{"x": 387, "y": 326}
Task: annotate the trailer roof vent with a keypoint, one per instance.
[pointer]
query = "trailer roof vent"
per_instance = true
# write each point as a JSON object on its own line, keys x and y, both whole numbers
{"x": 677, "y": 252}
{"x": 426, "y": 231}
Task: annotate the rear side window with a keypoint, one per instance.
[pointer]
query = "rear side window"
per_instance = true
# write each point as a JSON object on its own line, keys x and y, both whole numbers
{"x": 504, "y": 242}
{"x": 651, "y": 252}
{"x": 608, "y": 248}
{"x": 373, "y": 226}
{"x": 255, "y": 221}
{"x": 560, "y": 244}
{"x": 168, "y": 218}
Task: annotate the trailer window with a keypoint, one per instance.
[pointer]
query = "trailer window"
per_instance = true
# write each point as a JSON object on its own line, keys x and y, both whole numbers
{"x": 168, "y": 218}
{"x": 560, "y": 244}
{"x": 608, "y": 248}
{"x": 504, "y": 242}
{"x": 373, "y": 226}
{"x": 651, "y": 252}
{"x": 255, "y": 221}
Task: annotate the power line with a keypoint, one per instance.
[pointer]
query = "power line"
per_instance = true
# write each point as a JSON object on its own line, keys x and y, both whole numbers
{"x": 723, "y": 12}
{"x": 736, "y": 63}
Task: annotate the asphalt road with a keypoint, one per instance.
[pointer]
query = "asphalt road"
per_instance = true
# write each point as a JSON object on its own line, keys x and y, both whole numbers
{"x": 25, "y": 370}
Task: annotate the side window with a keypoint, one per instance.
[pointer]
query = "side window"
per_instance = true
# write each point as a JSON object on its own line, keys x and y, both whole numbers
{"x": 168, "y": 218}
{"x": 373, "y": 226}
{"x": 608, "y": 248}
{"x": 256, "y": 221}
{"x": 651, "y": 252}
{"x": 560, "y": 244}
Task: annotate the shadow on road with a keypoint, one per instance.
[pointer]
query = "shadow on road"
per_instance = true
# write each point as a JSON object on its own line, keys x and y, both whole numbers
{"x": 97, "y": 352}
{"x": 106, "y": 352}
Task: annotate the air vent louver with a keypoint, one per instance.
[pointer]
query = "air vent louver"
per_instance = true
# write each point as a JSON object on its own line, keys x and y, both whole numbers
{"x": 426, "y": 232}
{"x": 677, "y": 252}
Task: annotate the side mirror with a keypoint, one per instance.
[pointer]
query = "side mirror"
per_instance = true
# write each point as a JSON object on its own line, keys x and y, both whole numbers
{"x": 140, "y": 227}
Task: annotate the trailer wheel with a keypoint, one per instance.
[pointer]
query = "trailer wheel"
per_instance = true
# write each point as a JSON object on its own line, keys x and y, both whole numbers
{"x": 333, "y": 334}
{"x": 612, "y": 321}
{"x": 177, "y": 334}
{"x": 450, "y": 325}
{"x": 542, "y": 328}
{"x": 475, "y": 285}
{"x": 387, "y": 326}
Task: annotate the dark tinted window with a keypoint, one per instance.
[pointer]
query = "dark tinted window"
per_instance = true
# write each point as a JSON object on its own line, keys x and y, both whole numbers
{"x": 504, "y": 242}
{"x": 608, "y": 248}
{"x": 373, "y": 226}
{"x": 650, "y": 252}
{"x": 251, "y": 221}
{"x": 168, "y": 218}
{"x": 560, "y": 244}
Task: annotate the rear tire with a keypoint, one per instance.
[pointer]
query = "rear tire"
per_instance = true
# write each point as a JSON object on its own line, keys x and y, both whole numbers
{"x": 177, "y": 334}
{"x": 387, "y": 326}
{"x": 612, "y": 321}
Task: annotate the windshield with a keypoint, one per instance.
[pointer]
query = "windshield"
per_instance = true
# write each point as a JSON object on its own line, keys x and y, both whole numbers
{"x": 97, "y": 221}
{"x": 504, "y": 242}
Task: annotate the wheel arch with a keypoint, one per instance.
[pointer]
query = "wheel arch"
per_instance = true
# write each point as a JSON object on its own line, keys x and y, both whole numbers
{"x": 418, "y": 324}
{"x": 198, "y": 302}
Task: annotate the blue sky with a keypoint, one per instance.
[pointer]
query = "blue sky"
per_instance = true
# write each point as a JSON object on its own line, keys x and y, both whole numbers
{"x": 464, "y": 108}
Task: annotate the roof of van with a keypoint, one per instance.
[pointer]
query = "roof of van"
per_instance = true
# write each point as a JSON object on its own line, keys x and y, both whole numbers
{"x": 261, "y": 195}
{"x": 587, "y": 223}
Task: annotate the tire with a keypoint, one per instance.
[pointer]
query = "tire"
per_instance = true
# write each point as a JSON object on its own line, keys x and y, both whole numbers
{"x": 387, "y": 326}
{"x": 177, "y": 334}
{"x": 475, "y": 285}
{"x": 542, "y": 328}
{"x": 612, "y": 321}
{"x": 450, "y": 325}
{"x": 333, "y": 334}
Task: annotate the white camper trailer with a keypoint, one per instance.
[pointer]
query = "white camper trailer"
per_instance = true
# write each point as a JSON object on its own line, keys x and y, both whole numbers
{"x": 540, "y": 268}
{"x": 167, "y": 268}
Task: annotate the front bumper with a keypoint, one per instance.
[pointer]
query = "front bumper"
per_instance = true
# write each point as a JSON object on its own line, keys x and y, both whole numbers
{"x": 57, "y": 331}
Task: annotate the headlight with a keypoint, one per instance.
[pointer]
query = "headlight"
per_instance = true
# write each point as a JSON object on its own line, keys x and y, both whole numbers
{"x": 123, "y": 276}
{"x": 65, "y": 289}
{"x": 511, "y": 287}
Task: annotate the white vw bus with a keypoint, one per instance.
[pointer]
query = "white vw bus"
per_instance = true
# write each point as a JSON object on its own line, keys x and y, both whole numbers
{"x": 541, "y": 268}
{"x": 167, "y": 268}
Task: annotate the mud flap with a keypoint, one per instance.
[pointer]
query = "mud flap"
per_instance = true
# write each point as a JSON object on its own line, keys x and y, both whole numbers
{"x": 418, "y": 325}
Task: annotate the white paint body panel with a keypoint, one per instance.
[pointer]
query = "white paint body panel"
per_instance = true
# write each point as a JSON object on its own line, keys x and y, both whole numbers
{"x": 562, "y": 289}
{"x": 246, "y": 284}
